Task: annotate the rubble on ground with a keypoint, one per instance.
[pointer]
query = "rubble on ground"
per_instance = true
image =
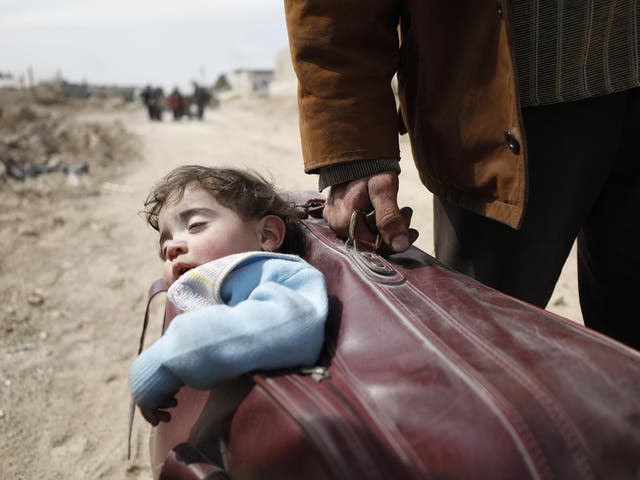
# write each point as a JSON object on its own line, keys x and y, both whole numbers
{"x": 52, "y": 160}
{"x": 35, "y": 140}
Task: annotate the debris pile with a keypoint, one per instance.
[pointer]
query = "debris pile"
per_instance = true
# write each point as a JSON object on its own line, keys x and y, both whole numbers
{"x": 34, "y": 141}
{"x": 53, "y": 161}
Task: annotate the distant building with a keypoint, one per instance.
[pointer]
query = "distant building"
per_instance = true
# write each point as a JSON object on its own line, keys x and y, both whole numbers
{"x": 252, "y": 82}
{"x": 8, "y": 81}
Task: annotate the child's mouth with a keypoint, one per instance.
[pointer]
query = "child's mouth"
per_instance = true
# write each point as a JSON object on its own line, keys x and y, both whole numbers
{"x": 180, "y": 270}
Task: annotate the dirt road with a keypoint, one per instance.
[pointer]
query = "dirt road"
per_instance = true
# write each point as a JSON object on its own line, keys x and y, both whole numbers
{"x": 74, "y": 276}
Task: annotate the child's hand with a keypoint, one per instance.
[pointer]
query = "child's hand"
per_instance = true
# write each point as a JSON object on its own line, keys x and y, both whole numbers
{"x": 159, "y": 414}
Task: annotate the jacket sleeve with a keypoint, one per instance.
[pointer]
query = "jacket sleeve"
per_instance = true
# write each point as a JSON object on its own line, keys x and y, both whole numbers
{"x": 345, "y": 53}
{"x": 277, "y": 324}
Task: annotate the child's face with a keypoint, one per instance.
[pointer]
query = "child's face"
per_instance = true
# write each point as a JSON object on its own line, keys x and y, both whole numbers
{"x": 196, "y": 229}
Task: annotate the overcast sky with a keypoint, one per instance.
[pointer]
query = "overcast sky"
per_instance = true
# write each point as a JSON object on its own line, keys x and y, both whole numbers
{"x": 134, "y": 42}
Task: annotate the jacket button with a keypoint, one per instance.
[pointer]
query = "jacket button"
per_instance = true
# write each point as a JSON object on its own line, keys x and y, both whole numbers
{"x": 512, "y": 142}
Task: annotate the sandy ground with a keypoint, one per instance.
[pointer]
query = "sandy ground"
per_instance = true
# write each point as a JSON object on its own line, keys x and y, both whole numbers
{"x": 75, "y": 270}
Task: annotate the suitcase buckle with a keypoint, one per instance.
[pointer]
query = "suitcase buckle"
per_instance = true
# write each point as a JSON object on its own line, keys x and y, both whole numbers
{"x": 318, "y": 373}
{"x": 367, "y": 259}
{"x": 373, "y": 261}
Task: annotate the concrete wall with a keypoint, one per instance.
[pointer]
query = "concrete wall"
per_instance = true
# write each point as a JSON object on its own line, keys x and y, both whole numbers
{"x": 252, "y": 82}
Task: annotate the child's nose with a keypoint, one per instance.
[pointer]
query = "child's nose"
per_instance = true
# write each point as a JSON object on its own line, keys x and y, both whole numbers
{"x": 175, "y": 248}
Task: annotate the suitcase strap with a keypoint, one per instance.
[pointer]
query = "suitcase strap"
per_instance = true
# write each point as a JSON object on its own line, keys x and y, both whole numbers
{"x": 156, "y": 287}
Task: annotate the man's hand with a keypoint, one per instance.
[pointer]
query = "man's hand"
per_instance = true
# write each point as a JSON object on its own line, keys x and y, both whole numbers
{"x": 156, "y": 415}
{"x": 377, "y": 192}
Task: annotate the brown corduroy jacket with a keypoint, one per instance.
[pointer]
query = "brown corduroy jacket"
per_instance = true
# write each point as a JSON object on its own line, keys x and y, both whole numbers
{"x": 456, "y": 84}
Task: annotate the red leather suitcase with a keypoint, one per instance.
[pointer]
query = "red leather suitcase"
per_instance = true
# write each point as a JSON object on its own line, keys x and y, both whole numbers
{"x": 426, "y": 374}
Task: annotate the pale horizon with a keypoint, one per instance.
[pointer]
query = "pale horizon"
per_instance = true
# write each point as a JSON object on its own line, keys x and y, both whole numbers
{"x": 128, "y": 43}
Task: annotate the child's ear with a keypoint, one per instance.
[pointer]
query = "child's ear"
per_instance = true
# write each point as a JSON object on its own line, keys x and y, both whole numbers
{"x": 272, "y": 233}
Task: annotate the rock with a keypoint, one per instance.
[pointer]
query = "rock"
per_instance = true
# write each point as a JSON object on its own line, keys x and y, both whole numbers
{"x": 28, "y": 231}
{"x": 36, "y": 298}
{"x": 73, "y": 180}
{"x": 559, "y": 302}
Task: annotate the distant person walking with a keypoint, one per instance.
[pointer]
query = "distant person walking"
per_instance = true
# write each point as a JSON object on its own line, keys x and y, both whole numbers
{"x": 153, "y": 99}
{"x": 201, "y": 97}
{"x": 176, "y": 103}
{"x": 157, "y": 103}
{"x": 146, "y": 99}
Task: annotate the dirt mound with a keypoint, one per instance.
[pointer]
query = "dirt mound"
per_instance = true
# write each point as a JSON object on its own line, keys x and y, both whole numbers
{"x": 34, "y": 140}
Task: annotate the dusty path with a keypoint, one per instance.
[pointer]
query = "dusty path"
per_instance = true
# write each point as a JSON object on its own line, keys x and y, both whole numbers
{"x": 79, "y": 272}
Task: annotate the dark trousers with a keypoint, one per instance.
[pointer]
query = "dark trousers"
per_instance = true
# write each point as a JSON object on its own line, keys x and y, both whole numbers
{"x": 584, "y": 182}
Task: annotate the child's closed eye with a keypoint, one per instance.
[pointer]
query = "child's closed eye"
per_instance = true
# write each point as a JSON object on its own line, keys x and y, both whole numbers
{"x": 193, "y": 226}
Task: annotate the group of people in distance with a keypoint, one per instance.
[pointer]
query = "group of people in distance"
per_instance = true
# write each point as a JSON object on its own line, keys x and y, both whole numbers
{"x": 190, "y": 106}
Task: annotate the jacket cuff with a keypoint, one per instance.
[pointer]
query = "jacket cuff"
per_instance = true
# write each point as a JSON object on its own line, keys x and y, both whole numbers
{"x": 345, "y": 172}
{"x": 150, "y": 381}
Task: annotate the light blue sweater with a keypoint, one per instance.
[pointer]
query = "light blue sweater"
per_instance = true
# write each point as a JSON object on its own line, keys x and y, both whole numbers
{"x": 272, "y": 317}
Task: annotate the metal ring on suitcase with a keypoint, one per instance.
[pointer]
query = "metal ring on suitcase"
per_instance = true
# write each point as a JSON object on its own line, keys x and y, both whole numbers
{"x": 352, "y": 228}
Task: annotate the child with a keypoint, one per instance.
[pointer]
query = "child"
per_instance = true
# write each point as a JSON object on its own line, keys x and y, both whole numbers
{"x": 245, "y": 306}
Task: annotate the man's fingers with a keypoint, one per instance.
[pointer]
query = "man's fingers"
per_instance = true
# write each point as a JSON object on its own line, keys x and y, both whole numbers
{"x": 343, "y": 200}
{"x": 413, "y": 235}
{"x": 370, "y": 221}
{"x": 378, "y": 192}
{"x": 407, "y": 214}
{"x": 391, "y": 223}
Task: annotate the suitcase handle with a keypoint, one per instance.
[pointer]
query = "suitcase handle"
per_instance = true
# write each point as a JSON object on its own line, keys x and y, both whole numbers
{"x": 378, "y": 246}
{"x": 368, "y": 258}
{"x": 368, "y": 219}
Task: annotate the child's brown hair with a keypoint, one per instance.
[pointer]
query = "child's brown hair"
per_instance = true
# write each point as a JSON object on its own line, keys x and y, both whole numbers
{"x": 245, "y": 192}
